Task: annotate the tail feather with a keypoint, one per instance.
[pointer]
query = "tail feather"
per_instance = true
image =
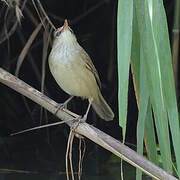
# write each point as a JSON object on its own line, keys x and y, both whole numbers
{"x": 102, "y": 109}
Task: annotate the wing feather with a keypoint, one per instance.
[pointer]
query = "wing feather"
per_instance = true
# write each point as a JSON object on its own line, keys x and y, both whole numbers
{"x": 90, "y": 66}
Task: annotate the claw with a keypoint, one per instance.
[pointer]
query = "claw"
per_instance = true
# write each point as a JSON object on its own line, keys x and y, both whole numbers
{"x": 60, "y": 106}
{"x": 80, "y": 119}
{"x": 63, "y": 105}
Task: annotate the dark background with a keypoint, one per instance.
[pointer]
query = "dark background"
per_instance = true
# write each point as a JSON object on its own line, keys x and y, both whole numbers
{"x": 94, "y": 23}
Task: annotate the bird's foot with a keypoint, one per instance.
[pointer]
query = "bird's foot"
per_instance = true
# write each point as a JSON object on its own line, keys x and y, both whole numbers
{"x": 75, "y": 124}
{"x": 60, "y": 106}
{"x": 80, "y": 119}
{"x": 77, "y": 121}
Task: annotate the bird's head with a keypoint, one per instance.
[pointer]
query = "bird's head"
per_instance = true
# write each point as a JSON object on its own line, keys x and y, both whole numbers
{"x": 65, "y": 34}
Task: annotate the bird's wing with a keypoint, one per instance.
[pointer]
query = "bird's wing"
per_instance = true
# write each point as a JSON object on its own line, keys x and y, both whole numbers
{"x": 90, "y": 66}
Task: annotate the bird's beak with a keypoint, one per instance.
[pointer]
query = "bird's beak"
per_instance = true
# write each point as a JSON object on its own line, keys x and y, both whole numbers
{"x": 65, "y": 26}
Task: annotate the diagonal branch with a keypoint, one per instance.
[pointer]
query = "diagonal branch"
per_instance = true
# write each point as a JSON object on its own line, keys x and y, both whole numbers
{"x": 92, "y": 133}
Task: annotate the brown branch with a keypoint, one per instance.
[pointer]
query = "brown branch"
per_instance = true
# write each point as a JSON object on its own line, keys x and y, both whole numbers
{"x": 85, "y": 129}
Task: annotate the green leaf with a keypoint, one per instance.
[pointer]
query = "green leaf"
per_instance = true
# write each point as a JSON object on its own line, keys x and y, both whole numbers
{"x": 145, "y": 127}
{"x": 150, "y": 16}
{"x": 124, "y": 39}
{"x": 135, "y": 54}
{"x": 149, "y": 137}
{"x": 153, "y": 80}
{"x": 163, "y": 45}
{"x": 143, "y": 106}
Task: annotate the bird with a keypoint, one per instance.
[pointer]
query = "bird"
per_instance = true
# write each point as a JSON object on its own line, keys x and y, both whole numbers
{"x": 75, "y": 73}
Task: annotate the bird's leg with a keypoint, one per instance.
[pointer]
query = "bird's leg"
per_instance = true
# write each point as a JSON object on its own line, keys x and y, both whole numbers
{"x": 81, "y": 120}
{"x": 86, "y": 114}
{"x": 62, "y": 105}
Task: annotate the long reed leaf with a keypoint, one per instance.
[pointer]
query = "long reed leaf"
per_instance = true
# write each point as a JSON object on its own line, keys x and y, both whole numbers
{"x": 152, "y": 56}
{"x": 124, "y": 39}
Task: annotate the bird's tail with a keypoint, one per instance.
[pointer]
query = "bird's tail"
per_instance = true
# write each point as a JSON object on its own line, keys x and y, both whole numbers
{"x": 102, "y": 109}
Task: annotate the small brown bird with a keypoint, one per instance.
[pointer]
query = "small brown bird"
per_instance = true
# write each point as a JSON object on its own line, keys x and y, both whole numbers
{"x": 75, "y": 73}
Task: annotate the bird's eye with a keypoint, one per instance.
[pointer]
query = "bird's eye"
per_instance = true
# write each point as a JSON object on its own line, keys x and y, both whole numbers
{"x": 57, "y": 33}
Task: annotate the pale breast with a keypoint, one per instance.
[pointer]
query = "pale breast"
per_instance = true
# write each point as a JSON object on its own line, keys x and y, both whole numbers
{"x": 72, "y": 76}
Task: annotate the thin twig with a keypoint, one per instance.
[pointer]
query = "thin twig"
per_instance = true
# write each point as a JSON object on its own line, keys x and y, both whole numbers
{"x": 70, "y": 153}
{"x": 13, "y": 29}
{"x": 26, "y": 48}
{"x": 31, "y": 60}
{"x": 46, "y": 16}
{"x": 42, "y": 126}
{"x": 66, "y": 157}
{"x": 41, "y": 19}
{"x": 8, "y": 171}
{"x": 80, "y": 159}
{"x": 86, "y": 13}
{"x": 18, "y": 11}
{"x": 46, "y": 40}
{"x": 31, "y": 16}
{"x": 83, "y": 154}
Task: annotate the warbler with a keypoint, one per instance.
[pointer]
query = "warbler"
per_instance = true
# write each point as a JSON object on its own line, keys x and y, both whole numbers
{"x": 74, "y": 72}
